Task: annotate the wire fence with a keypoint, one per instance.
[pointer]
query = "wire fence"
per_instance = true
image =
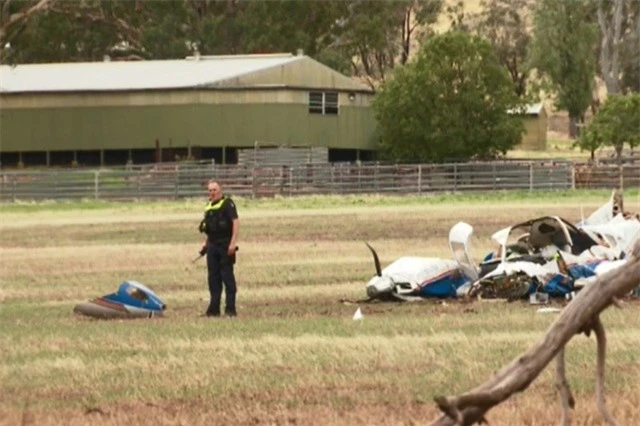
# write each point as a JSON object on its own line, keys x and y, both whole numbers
{"x": 185, "y": 180}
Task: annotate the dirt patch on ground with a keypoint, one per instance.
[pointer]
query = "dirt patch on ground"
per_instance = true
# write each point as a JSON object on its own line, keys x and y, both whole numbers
{"x": 323, "y": 406}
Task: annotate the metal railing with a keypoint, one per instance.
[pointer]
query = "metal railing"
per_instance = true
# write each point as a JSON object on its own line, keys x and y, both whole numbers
{"x": 180, "y": 180}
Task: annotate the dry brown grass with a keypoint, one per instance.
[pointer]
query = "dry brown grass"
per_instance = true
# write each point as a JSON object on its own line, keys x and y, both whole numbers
{"x": 294, "y": 356}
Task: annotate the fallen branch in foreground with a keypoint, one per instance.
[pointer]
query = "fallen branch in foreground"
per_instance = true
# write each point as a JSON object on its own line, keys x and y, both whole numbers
{"x": 579, "y": 316}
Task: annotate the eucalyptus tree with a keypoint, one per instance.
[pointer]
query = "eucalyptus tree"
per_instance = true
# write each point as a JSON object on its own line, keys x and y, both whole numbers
{"x": 562, "y": 51}
{"x": 377, "y": 36}
{"x": 619, "y": 49}
{"x": 451, "y": 103}
{"x": 616, "y": 124}
{"x": 507, "y": 25}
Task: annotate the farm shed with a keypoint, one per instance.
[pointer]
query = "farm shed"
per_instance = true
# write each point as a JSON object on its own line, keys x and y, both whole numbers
{"x": 534, "y": 118}
{"x": 203, "y": 107}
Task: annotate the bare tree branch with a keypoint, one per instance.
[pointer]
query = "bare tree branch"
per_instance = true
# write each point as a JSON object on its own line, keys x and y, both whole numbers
{"x": 354, "y": 67}
{"x": 601, "y": 337}
{"x": 581, "y": 315}
{"x": 566, "y": 397}
{"x": 98, "y": 16}
{"x": 380, "y": 59}
{"x": 407, "y": 31}
{"x": 364, "y": 58}
{"x": 4, "y": 11}
{"x": 18, "y": 18}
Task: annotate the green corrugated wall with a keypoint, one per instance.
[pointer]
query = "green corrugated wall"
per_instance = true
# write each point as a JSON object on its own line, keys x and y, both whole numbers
{"x": 535, "y": 136}
{"x": 124, "y": 127}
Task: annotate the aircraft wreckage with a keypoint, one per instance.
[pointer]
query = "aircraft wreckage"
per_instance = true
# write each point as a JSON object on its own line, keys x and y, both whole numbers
{"x": 132, "y": 300}
{"x": 547, "y": 255}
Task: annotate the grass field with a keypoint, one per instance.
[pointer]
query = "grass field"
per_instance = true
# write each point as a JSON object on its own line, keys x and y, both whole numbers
{"x": 293, "y": 355}
{"x": 558, "y": 149}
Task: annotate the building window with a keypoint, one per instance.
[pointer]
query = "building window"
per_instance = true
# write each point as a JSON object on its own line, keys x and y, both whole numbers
{"x": 323, "y": 103}
{"x": 316, "y": 102}
{"x": 331, "y": 103}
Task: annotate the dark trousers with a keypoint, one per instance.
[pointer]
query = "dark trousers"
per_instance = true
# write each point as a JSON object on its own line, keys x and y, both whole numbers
{"x": 220, "y": 270}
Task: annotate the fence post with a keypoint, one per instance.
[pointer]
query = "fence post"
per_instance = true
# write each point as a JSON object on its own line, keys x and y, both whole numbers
{"x": 493, "y": 175}
{"x": 253, "y": 182}
{"x": 291, "y": 170}
{"x": 573, "y": 176}
{"x": 96, "y": 184}
{"x": 176, "y": 183}
{"x": 419, "y": 179}
{"x": 530, "y": 176}
{"x": 333, "y": 183}
{"x": 56, "y": 184}
{"x": 455, "y": 177}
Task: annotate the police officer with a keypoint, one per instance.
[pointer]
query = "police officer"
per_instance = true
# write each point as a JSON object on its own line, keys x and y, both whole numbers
{"x": 220, "y": 224}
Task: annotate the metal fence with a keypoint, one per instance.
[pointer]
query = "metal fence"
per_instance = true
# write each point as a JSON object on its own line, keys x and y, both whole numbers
{"x": 184, "y": 180}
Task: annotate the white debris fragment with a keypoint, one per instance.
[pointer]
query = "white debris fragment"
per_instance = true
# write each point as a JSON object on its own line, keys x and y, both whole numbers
{"x": 358, "y": 315}
{"x": 549, "y": 310}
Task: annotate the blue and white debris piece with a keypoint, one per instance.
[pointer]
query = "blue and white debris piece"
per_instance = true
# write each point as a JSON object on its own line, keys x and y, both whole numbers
{"x": 132, "y": 300}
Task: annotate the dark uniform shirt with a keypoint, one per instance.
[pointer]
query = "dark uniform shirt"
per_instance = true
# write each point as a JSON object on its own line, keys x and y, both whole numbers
{"x": 218, "y": 220}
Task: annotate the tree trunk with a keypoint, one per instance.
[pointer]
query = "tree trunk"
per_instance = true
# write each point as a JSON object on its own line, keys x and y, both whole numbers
{"x": 406, "y": 36}
{"x": 579, "y": 316}
{"x": 619, "y": 147}
{"x": 611, "y": 38}
{"x": 574, "y": 127}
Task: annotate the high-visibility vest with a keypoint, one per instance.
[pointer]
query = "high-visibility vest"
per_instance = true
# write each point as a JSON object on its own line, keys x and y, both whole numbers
{"x": 215, "y": 224}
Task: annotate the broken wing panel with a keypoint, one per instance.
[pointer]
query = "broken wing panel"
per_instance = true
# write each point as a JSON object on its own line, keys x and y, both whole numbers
{"x": 619, "y": 233}
{"x": 602, "y": 215}
{"x": 529, "y": 268}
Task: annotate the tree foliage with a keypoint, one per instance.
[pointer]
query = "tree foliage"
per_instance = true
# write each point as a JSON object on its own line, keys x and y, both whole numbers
{"x": 80, "y": 31}
{"x": 616, "y": 124}
{"x": 459, "y": 19}
{"x": 451, "y": 103}
{"x": 379, "y": 35}
{"x": 506, "y": 24}
{"x": 562, "y": 51}
{"x": 15, "y": 17}
{"x": 359, "y": 37}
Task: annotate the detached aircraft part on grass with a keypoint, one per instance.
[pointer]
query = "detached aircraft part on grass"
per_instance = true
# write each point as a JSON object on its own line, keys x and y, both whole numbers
{"x": 132, "y": 300}
{"x": 550, "y": 255}
{"x": 409, "y": 278}
{"x": 547, "y": 254}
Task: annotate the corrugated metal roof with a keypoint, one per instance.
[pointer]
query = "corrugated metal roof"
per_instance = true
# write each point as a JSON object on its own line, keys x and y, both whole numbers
{"x": 134, "y": 75}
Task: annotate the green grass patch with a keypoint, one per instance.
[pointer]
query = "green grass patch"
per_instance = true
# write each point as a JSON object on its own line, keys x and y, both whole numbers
{"x": 319, "y": 202}
{"x": 294, "y": 354}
